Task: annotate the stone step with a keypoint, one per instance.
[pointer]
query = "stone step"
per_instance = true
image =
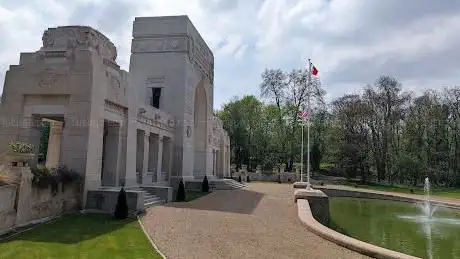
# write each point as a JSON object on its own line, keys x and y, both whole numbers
{"x": 152, "y": 199}
{"x": 152, "y": 203}
{"x": 227, "y": 184}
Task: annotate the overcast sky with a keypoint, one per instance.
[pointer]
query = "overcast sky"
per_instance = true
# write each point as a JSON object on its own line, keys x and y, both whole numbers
{"x": 351, "y": 42}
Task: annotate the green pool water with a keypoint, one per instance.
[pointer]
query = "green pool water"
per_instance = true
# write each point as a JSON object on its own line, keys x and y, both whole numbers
{"x": 398, "y": 226}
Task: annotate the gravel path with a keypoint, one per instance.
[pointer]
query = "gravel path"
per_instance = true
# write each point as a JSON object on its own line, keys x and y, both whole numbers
{"x": 259, "y": 221}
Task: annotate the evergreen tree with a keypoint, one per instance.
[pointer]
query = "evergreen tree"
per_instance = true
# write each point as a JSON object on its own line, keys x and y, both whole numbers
{"x": 239, "y": 179}
{"x": 121, "y": 210}
{"x": 205, "y": 185}
{"x": 181, "y": 192}
{"x": 248, "y": 179}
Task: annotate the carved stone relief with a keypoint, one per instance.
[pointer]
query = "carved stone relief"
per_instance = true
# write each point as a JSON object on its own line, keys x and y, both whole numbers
{"x": 201, "y": 57}
{"x": 71, "y": 37}
{"x": 188, "y": 131}
{"x": 114, "y": 82}
{"x": 114, "y": 108}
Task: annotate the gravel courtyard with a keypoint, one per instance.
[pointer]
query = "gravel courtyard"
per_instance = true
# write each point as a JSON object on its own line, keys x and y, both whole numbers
{"x": 259, "y": 221}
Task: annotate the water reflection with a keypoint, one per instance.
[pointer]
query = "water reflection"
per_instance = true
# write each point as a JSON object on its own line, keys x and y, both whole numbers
{"x": 399, "y": 226}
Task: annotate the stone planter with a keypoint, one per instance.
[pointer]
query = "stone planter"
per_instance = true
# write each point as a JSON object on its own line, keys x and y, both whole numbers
{"x": 19, "y": 159}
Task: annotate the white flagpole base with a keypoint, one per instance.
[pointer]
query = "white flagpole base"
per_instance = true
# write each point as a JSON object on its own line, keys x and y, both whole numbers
{"x": 301, "y": 185}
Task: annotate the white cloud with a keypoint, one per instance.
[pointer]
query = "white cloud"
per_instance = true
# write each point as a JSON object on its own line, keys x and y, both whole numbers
{"x": 350, "y": 41}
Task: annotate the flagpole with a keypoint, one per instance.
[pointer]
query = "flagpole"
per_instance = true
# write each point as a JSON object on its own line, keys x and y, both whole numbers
{"x": 308, "y": 125}
{"x": 301, "y": 157}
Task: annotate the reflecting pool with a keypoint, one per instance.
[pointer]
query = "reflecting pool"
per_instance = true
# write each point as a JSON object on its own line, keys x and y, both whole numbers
{"x": 399, "y": 226}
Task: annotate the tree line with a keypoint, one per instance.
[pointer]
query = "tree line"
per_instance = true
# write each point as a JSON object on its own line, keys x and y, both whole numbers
{"x": 384, "y": 134}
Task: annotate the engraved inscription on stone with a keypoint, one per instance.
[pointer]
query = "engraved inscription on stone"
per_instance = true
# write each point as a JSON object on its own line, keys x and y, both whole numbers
{"x": 159, "y": 44}
{"x": 49, "y": 77}
{"x": 154, "y": 81}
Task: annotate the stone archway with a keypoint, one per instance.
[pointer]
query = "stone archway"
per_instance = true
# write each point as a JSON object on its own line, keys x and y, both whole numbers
{"x": 200, "y": 112}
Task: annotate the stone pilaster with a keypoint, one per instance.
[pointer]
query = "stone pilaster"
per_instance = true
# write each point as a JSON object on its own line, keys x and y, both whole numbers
{"x": 145, "y": 164}
{"x": 54, "y": 144}
{"x": 160, "y": 158}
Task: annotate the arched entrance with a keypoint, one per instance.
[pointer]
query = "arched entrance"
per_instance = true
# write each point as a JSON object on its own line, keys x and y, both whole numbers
{"x": 200, "y": 130}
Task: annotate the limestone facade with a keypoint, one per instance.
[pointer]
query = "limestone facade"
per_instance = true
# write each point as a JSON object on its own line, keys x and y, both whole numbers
{"x": 144, "y": 127}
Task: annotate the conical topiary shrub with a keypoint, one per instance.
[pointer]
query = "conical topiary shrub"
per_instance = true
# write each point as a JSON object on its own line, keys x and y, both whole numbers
{"x": 205, "y": 185}
{"x": 181, "y": 192}
{"x": 279, "y": 178}
{"x": 121, "y": 210}
{"x": 248, "y": 179}
{"x": 239, "y": 179}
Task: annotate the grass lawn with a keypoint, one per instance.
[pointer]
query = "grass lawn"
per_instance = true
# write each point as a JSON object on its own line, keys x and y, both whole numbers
{"x": 193, "y": 195}
{"x": 82, "y": 237}
{"x": 441, "y": 192}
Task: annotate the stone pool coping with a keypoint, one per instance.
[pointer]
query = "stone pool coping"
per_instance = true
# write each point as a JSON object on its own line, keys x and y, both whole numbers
{"x": 345, "y": 191}
{"x": 314, "y": 226}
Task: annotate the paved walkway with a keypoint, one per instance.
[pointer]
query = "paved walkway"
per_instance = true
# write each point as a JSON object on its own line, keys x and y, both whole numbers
{"x": 259, "y": 221}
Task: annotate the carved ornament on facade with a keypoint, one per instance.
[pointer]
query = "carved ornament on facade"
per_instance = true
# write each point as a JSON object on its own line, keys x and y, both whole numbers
{"x": 114, "y": 81}
{"x": 114, "y": 108}
{"x": 188, "y": 131}
{"x": 201, "y": 58}
{"x": 72, "y": 37}
{"x": 154, "y": 123}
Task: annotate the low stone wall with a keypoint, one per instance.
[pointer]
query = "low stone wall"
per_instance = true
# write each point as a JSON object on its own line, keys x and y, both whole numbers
{"x": 105, "y": 200}
{"x": 194, "y": 185}
{"x": 7, "y": 207}
{"x": 286, "y": 177}
{"x": 22, "y": 203}
{"x": 318, "y": 201}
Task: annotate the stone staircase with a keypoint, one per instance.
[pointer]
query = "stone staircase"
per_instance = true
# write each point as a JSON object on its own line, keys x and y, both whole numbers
{"x": 226, "y": 184}
{"x": 151, "y": 200}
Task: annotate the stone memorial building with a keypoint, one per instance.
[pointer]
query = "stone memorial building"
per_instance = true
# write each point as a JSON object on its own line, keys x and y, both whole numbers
{"x": 150, "y": 126}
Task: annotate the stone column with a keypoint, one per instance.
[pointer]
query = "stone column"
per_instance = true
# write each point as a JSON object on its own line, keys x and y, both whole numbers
{"x": 170, "y": 160}
{"x": 120, "y": 164}
{"x": 145, "y": 164}
{"x": 54, "y": 144}
{"x": 160, "y": 158}
{"x": 213, "y": 162}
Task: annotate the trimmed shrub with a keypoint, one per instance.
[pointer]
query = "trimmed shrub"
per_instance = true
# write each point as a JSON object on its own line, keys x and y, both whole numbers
{"x": 279, "y": 179}
{"x": 121, "y": 210}
{"x": 248, "y": 179}
{"x": 239, "y": 179}
{"x": 181, "y": 192}
{"x": 205, "y": 184}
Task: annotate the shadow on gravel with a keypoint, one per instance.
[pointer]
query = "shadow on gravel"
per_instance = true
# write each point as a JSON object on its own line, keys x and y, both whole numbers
{"x": 233, "y": 201}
